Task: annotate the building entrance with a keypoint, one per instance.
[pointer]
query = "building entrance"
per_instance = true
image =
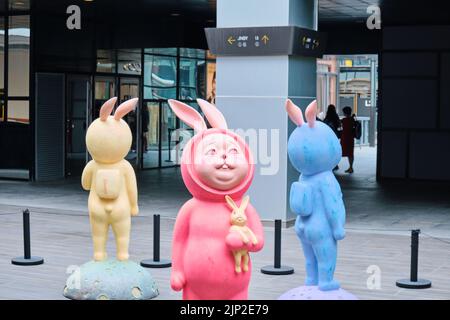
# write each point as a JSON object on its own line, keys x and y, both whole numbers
{"x": 129, "y": 89}
{"x": 78, "y": 105}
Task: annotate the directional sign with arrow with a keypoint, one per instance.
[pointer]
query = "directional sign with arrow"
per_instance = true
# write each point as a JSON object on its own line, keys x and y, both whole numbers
{"x": 260, "y": 41}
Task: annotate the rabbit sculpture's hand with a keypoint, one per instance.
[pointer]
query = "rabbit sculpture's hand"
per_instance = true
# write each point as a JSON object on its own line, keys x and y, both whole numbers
{"x": 339, "y": 234}
{"x": 177, "y": 281}
{"x": 301, "y": 199}
{"x": 234, "y": 241}
{"x": 134, "y": 211}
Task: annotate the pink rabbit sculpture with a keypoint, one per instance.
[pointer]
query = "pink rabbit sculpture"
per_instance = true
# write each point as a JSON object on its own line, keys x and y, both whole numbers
{"x": 215, "y": 163}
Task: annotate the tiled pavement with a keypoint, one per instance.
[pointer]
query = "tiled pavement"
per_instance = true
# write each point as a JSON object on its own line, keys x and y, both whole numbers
{"x": 378, "y": 220}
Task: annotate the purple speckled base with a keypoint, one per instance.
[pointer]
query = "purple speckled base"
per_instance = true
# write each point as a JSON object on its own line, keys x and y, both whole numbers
{"x": 313, "y": 293}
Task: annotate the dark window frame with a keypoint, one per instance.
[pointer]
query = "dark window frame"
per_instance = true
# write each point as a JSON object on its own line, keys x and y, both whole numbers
{"x": 6, "y": 14}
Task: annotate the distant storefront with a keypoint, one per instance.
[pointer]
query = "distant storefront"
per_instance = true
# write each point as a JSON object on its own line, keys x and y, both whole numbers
{"x": 53, "y": 81}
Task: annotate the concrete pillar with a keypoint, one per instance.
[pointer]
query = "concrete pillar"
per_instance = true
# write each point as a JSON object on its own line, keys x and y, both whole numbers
{"x": 251, "y": 93}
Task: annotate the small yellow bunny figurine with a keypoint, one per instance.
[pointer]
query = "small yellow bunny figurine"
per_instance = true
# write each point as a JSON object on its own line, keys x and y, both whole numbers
{"x": 239, "y": 224}
{"x": 110, "y": 179}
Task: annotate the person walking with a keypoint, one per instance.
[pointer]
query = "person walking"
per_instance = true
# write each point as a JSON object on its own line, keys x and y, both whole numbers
{"x": 333, "y": 121}
{"x": 348, "y": 137}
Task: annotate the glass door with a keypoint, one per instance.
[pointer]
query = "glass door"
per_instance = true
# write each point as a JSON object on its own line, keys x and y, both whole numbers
{"x": 105, "y": 89}
{"x": 162, "y": 139}
{"x": 151, "y": 134}
{"x": 15, "y": 132}
{"x": 128, "y": 89}
{"x": 15, "y": 155}
{"x": 77, "y": 106}
{"x": 169, "y": 134}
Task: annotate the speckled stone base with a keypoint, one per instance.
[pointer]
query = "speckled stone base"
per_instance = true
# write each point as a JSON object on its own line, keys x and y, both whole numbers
{"x": 313, "y": 293}
{"x": 110, "y": 280}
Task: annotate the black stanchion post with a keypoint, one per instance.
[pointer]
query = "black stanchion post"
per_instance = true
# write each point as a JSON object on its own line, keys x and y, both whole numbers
{"x": 27, "y": 259}
{"x": 413, "y": 282}
{"x": 414, "y": 254}
{"x": 26, "y": 235}
{"x": 277, "y": 253}
{"x": 156, "y": 262}
{"x": 277, "y": 268}
{"x": 156, "y": 237}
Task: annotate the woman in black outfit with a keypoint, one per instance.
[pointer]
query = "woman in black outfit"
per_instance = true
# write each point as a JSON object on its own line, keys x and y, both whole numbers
{"x": 333, "y": 121}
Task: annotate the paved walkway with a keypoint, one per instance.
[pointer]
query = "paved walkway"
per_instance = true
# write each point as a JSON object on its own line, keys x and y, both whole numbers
{"x": 64, "y": 240}
{"x": 395, "y": 206}
{"x": 379, "y": 218}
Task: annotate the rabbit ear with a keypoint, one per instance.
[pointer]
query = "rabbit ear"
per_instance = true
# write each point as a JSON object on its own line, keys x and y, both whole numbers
{"x": 125, "y": 107}
{"x": 189, "y": 115}
{"x": 107, "y": 108}
{"x": 244, "y": 202}
{"x": 231, "y": 202}
{"x": 311, "y": 113}
{"x": 294, "y": 112}
{"x": 214, "y": 116}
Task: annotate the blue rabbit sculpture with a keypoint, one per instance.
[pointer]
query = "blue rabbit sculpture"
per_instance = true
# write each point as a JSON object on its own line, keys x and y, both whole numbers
{"x": 316, "y": 197}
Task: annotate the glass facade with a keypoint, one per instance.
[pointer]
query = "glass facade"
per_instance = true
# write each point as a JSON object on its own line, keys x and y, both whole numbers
{"x": 15, "y": 68}
{"x": 153, "y": 75}
{"x": 2, "y": 69}
{"x": 129, "y": 89}
{"x": 15, "y": 134}
{"x": 18, "y": 5}
{"x": 18, "y": 56}
{"x": 160, "y": 77}
{"x": 106, "y": 61}
{"x": 168, "y": 73}
{"x": 192, "y": 79}
{"x": 129, "y": 61}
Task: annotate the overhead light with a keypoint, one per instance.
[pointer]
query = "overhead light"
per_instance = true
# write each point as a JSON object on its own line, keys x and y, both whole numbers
{"x": 175, "y": 14}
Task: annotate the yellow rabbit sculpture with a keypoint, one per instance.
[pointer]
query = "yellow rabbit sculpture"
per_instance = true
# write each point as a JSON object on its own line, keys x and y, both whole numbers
{"x": 110, "y": 179}
{"x": 238, "y": 221}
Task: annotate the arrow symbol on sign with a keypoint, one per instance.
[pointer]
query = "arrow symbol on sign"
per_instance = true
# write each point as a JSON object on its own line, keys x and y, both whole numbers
{"x": 265, "y": 38}
{"x": 231, "y": 40}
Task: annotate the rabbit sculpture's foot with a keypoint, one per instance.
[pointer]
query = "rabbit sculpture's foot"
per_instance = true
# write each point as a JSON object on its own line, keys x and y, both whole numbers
{"x": 238, "y": 269}
{"x": 311, "y": 281}
{"x": 245, "y": 268}
{"x": 328, "y": 286}
{"x": 122, "y": 256}
{"x": 100, "y": 256}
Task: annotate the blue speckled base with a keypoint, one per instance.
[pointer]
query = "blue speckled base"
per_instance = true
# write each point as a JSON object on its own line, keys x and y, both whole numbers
{"x": 110, "y": 280}
{"x": 313, "y": 293}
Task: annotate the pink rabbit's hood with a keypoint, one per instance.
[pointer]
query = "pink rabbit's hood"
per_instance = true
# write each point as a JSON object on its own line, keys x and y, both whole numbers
{"x": 193, "y": 183}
